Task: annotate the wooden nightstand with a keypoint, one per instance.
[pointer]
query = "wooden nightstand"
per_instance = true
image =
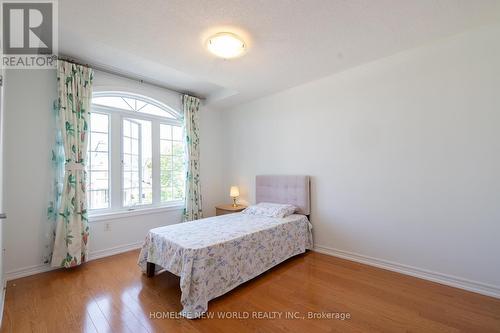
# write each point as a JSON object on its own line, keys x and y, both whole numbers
{"x": 228, "y": 209}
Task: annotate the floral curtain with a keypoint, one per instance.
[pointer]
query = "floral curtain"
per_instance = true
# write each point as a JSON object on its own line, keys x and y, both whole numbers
{"x": 193, "y": 209}
{"x": 72, "y": 230}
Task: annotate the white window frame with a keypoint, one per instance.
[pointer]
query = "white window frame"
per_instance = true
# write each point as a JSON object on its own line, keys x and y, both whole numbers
{"x": 139, "y": 156}
{"x": 116, "y": 116}
{"x": 89, "y": 174}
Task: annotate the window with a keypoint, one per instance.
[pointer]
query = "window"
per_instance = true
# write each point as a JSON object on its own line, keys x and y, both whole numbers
{"x": 137, "y": 162}
{"x": 98, "y": 161}
{"x": 136, "y": 153}
{"x": 171, "y": 163}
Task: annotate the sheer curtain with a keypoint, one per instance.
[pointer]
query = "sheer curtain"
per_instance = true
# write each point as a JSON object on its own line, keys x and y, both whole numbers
{"x": 72, "y": 230}
{"x": 193, "y": 209}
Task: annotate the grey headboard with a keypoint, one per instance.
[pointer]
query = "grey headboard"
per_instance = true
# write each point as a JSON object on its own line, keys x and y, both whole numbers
{"x": 285, "y": 190}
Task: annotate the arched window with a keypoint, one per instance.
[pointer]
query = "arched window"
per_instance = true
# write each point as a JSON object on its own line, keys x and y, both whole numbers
{"x": 133, "y": 102}
{"x": 135, "y": 153}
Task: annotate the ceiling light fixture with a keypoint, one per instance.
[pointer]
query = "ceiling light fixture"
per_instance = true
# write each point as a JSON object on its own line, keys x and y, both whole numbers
{"x": 226, "y": 45}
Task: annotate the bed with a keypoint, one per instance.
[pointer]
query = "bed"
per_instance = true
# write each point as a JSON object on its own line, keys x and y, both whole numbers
{"x": 214, "y": 255}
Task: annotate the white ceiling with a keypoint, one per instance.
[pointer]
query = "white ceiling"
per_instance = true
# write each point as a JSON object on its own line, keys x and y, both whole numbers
{"x": 290, "y": 42}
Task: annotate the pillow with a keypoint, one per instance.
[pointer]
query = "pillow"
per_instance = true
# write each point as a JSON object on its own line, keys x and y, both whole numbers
{"x": 270, "y": 209}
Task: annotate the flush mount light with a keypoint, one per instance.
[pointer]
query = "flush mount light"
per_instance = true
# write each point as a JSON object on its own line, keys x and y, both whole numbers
{"x": 226, "y": 45}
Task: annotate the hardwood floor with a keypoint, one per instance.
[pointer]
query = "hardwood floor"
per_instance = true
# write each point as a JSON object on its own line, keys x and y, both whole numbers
{"x": 111, "y": 295}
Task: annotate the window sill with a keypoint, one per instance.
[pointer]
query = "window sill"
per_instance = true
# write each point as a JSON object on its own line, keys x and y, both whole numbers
{"x": 133, "y": 212}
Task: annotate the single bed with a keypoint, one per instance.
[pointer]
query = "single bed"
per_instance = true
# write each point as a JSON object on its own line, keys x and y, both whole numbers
{"x": 216, "y": 254}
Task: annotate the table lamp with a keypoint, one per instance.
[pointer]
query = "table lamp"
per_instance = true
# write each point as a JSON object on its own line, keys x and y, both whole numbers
{"x": 234, "y": 192}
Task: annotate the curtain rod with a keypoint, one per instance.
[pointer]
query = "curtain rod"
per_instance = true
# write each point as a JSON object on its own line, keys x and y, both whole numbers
{"x": 123, "y": 75}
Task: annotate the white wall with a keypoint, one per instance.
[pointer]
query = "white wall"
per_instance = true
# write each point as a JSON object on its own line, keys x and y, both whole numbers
{"x": 404, "y": 155}
{"x": 29, "y": 95}
{"x": 212, "y": 160}
{"x": 28, "y": 104}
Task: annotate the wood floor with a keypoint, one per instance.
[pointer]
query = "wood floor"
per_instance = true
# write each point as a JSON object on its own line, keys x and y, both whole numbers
{"x": 111, "y": 295}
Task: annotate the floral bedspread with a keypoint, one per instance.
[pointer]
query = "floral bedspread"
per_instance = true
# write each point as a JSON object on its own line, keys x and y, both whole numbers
{"x": 216, "y": 254}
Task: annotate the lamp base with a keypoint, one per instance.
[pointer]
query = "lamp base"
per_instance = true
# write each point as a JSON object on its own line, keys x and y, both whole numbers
{"x": 234, "y": 202}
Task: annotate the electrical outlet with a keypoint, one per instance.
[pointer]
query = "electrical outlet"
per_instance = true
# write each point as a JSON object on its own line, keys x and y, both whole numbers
{"x": 107, "y": 227}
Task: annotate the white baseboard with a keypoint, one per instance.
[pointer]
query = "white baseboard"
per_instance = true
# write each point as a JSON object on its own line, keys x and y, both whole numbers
{"x": 36, "y": 269}
{"x": 27, "y": 271}
{"x": 453, "y": 281}
{"x": 114, "y": 250}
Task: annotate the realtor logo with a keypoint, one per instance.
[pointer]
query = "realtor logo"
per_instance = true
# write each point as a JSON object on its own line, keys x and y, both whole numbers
{"x": 27, "y": 28}
{"x": 28, "y": 34}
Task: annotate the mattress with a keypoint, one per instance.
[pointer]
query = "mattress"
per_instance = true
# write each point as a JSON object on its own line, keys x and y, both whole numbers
{"x": 214, "y": 255}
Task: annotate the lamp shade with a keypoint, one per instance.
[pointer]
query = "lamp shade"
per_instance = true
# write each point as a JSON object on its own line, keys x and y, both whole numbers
{"x": 234, "y": 191}
{"x": 226, "y": 45}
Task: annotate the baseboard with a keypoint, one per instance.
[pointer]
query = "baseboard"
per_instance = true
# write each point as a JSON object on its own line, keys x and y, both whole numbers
{"x": 36, "y": 269}
{"x": 27, "y": 271}
{"x": 114, "y": 250}
{"x": 449, "y": 280}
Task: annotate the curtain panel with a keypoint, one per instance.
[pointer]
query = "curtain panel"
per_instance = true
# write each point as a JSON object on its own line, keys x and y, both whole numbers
{"x": 193, "y": 209}
{"x": 56, "y": 186}
{"x": 72, "y": 230}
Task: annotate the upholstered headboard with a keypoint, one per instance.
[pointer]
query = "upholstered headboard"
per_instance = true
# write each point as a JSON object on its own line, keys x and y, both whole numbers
{"x": 292, "y": 190}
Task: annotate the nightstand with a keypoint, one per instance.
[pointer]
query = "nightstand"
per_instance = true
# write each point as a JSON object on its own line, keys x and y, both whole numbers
{"x": 228, "y": 209}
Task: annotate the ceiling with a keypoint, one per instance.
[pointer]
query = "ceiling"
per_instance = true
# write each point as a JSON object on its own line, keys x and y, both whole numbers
{"x": 290, "y": 42}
